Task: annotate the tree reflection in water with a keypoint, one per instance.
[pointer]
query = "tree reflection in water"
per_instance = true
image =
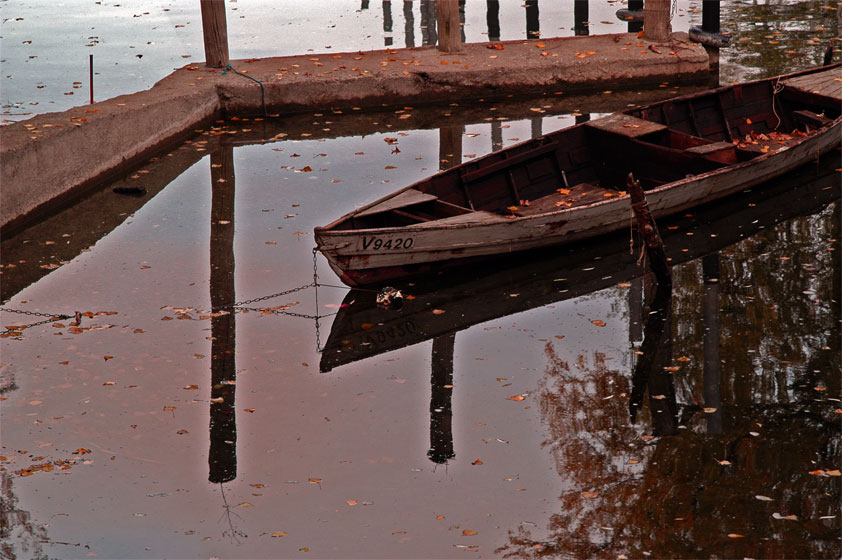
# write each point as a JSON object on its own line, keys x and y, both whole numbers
{"x": 735, "y": 467}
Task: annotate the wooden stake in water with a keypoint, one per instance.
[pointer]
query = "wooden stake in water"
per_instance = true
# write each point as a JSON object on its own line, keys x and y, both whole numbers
{"x": 649, "y": 231}
{"x": 91, "y": 72}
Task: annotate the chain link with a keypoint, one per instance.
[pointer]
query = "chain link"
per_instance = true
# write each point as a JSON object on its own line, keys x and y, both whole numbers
{"x": 35, "y": 313}
{"x": 16, "y": 329}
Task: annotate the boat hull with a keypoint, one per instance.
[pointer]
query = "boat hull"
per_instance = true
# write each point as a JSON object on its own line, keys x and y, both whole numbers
{"x": 374, "y": 255}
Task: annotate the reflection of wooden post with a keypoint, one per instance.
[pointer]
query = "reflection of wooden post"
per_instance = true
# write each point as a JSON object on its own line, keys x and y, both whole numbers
{"x": 492, "y": 19}
{"x": 450, "y": 31}
{"x": 215, "y": 31}
{"x": 537, "y": 126}
{"x": 387, "y": 23}
{"x": 650, "y": 374}
{"x": 580, "y": 17}
{"x": 710, "y": 343}
{"x": 496, "y": 136}
{"x": 533, "y": 25}
{"x": 222, "y": 455}
{"x": 441, "y": 393}
{"x": 429, "y": 36}
{"x": 409, "y": 23}
{"x": 636, "y": 309}
{"x": 656, "y": 20}
{"x": 450, "y": 146}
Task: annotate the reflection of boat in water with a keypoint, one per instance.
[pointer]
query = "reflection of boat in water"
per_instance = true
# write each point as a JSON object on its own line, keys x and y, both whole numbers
{"x": 498, "y": 288}
{"x": 569, "y": 185}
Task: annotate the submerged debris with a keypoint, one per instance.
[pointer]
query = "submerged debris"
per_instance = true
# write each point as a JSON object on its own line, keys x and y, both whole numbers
{"x": 390, "y": 297}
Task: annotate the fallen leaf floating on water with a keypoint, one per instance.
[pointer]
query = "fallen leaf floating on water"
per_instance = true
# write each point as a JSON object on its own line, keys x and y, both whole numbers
{"x": 477, "y": 462}
{"x": 469, "y": 533}
{"x": 279, "y": 534}
{"x": 82, "y": 451}
{"x": 590, "y": 495}
{"x": 598, "y": 323}
{"x": 517, "y": 397}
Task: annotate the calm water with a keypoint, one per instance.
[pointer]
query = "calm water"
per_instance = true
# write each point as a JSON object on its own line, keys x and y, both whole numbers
{"x": 551, "y": 411}
{"x": 45, "y": 46}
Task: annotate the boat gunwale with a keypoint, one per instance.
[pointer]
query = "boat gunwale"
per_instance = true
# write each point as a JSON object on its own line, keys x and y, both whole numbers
{"x": 436, "y": 226}
{"x": 326, "y": 235}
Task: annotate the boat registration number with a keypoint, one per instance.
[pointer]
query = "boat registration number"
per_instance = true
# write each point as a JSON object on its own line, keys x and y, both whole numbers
{"x": 380, "y": 244}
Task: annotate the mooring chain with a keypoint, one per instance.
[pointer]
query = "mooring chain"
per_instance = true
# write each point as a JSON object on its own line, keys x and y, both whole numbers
{"x": 51, "y": 317}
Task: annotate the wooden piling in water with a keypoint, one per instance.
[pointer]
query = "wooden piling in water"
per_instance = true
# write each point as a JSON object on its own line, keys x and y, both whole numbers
{"x": 215, "y": 32}
{"x": 649, "y": 231}
{"x": 450, "y": 30}
{"x": 656, "y": 20}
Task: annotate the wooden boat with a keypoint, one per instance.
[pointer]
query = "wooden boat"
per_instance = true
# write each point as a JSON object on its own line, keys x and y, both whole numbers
{"x": 570, "y": 185}
{"x": 363, "y": 329}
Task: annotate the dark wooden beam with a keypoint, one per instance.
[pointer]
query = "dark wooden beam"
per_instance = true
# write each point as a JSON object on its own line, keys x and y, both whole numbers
{"x": 215, "y": 32}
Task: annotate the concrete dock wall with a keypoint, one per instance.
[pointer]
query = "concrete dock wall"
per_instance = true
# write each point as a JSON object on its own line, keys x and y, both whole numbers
{"x": 54, "y": 157}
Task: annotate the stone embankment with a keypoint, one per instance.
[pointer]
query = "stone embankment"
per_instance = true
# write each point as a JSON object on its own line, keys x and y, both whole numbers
{"x": 52, "y": 158}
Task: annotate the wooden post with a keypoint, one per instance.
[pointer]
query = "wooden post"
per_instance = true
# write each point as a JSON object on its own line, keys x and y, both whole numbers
{"x": 649, "y": 230}
{"x": 450, "y": 31}
{"x": 635, "y": 26}
{"x": 533, "y": 25}
{"x": 492, "y": 19}
{"x": 710, "y": 15}
{"x": 215, "y": 31}
{"x": 91, "y": 72}
{"x": 656, "y": 20}
{"x": 580, "y": 18}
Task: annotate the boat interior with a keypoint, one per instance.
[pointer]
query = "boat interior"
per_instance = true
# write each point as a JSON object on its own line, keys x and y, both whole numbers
{"x": 584, "y": 164}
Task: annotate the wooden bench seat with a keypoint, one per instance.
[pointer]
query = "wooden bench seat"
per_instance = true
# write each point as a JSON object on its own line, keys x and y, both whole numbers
{"x": 626, "y": 125}
{"x": 723, "y": 152}
{"x": 577, "y": 195}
